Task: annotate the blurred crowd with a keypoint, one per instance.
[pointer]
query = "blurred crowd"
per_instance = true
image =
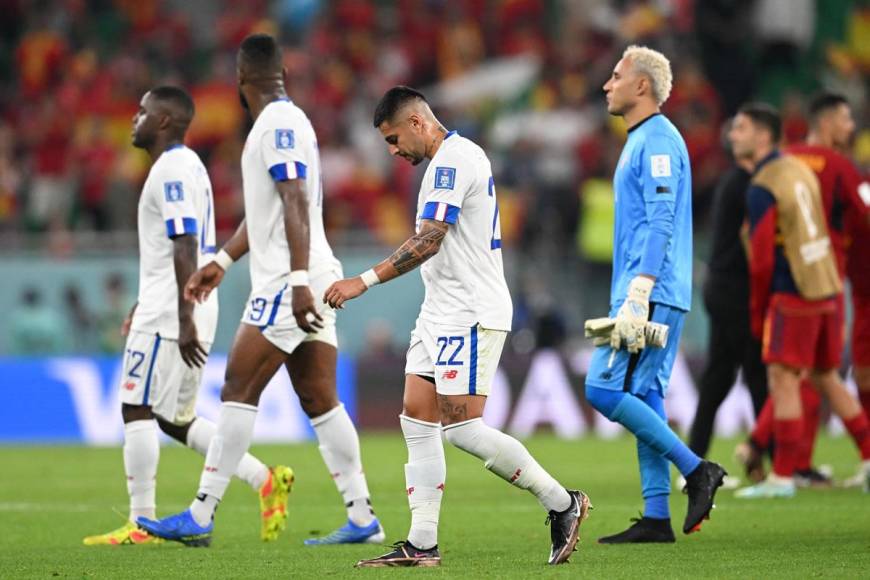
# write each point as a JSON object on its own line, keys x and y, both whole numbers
{"x": 522, "y": 77}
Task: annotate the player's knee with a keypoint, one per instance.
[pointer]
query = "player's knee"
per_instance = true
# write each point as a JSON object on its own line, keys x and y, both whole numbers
{"x": 130, "y": 413}
{"x": 603, "y": 400}
{"x": 316, "y": 402}
{"x": 177, "y": 432}
{"x": 239, "y": 391}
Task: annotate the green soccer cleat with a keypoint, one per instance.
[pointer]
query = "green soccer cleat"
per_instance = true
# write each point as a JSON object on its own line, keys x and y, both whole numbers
{"x": 127, "y": 535}
{"x": 273, "y": 502}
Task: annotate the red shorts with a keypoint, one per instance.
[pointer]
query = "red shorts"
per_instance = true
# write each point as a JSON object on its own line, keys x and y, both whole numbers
{"x": 861, "y": 331}
{"x": 804, "y": 334}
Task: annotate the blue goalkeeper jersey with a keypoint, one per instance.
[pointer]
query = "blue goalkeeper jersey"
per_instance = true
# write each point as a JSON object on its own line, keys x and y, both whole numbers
{"x": 653, "y": 229}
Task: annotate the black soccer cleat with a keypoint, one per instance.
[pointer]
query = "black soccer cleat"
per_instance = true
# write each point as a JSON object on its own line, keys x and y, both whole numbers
{"x": 404, "y": 554}
{"x": 643, "y": 531}
{"x": 812, "y": 477}
{"x": 701, "y": 486}
{"x": 565, "y": 527}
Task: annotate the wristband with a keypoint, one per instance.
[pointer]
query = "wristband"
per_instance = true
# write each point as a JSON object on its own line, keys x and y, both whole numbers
{"x": 223, "y": 259}
{"x": 370, "y": 278}
{"x": 298, "y": 278}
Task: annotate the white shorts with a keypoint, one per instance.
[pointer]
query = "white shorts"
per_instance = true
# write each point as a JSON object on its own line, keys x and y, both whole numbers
{"x": 155, "y": 375}
{"x": 461, "y": 359}
{"x": 272, "y": 312}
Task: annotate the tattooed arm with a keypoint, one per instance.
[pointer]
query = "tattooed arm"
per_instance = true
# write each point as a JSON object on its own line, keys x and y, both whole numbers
{"x": 416, "y": 250}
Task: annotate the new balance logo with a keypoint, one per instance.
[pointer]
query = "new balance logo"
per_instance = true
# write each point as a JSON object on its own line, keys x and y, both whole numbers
{"x": 410, "y": 490}
{"x": 208, "y": 469}
{"x": 450, "y": 375}
{"x": 516, "y": 475}
{"x": 130, "y": 386}
{"x": 440, "y": 486}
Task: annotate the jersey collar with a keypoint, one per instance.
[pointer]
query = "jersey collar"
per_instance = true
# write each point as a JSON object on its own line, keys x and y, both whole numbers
{"x": 639, "y": 123}
{"x": 770, "y": 157}
{"x": 450, "y": 134}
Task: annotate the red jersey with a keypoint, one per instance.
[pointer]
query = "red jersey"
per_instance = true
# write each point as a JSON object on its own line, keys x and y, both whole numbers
{"x": 844, "y": 197}
{"x": 858, "y": 246}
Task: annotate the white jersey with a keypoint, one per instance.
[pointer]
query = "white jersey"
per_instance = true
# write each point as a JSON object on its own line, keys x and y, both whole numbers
{"x": 464, "y": 281}
{"x": 176, "y": 200}
{"x": 281, "y": 146}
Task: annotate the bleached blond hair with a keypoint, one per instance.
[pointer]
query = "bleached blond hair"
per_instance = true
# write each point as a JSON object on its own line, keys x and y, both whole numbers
{"x": 655, "y": 66}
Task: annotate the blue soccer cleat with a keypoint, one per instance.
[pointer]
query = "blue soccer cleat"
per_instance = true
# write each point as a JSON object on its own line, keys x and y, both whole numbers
{"x": 351, "y": 533}
{"x": 179, "y": 528}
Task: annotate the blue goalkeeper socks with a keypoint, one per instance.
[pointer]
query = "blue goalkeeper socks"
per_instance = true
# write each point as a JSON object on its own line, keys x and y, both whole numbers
{"x": 645, "y": 423}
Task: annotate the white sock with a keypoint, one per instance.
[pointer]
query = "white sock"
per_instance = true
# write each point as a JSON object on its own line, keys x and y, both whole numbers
{"x": 141, "y": 454}
{"x": 425, "y": 474}
{"x": 251, "y": 470}
{"x": 230, "y": 442}
{"x": 510, "y": 460}
{"x": 339, "y": 446}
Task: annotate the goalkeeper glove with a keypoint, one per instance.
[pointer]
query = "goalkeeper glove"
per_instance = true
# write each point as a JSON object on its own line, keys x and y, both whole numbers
{"x": 600, "y": 329}
{"x": 632, "y": 316}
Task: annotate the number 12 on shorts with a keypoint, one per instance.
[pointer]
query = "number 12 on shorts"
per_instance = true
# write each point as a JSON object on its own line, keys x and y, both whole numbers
{"x": 453, "y": 351}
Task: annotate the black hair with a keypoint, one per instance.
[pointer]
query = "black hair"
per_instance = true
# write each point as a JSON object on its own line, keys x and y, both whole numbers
{"x": 765, "y": 115}
{"x": 824, "y": 102}
{"x": 261, "y": 52}
{"x": 178, "y": 97}
{"x": 393, "y": 100}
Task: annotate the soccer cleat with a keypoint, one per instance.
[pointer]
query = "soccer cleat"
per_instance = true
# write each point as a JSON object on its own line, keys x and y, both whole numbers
{"x": 812, "y": 477}
{"x": 404, "y": 554}
{"x": 565, "y": 527}
{"x": 701, "y": 486}
{"x": 770, "y": 488}
{"x": 127, "y": 535}
{"x": 179, "y": 528}
{"x": 350, "y": 533}
{"x": 643, "y": 531}
{"x": 861, "y": 478}
{"x": 273, "y": 502}
{"x": 751, "y": 458}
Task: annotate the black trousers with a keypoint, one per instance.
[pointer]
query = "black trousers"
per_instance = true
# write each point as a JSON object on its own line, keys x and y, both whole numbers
{"x": 731, "y": 347}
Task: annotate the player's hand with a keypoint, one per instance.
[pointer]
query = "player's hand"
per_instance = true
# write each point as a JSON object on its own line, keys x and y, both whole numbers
{"x": 630, "y": 322}
{"x": 344, "y": 290}
{"x": 192, "y": 352}
{"x": 304, "y": 310}
{"x": 202, "y": 282}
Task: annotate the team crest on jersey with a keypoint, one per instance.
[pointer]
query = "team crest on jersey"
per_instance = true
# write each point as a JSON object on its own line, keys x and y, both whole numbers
{"x": 445, "y": 177}
{"x": 284, "y": 139}
{"x": 174, "y": 191}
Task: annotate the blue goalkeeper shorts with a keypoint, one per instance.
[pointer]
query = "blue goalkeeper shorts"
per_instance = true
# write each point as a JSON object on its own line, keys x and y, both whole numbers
{"x": 648, "y": 369}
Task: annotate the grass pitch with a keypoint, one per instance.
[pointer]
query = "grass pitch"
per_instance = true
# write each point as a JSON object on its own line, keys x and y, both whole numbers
{"x": 51, "y": 497}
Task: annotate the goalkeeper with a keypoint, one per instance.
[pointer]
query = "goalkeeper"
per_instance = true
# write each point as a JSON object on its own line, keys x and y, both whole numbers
{"x": 652, "y": 281}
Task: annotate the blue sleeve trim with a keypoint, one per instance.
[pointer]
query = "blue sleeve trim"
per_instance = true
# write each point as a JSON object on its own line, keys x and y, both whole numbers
{"x": 440, "y": 211}
{"x": 188, "y": 227}
{"x": 279, "y": 171}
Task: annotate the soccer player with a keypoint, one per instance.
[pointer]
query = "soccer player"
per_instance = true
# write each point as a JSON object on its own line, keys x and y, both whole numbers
{"x": 652, "y": 281}
{"x": 459, "y": 335}
{"x": 289, "y": 258}
{"x": 831, "y": 129}
{"x": 169, "y": 339}
{"x": 794, "y": 293}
